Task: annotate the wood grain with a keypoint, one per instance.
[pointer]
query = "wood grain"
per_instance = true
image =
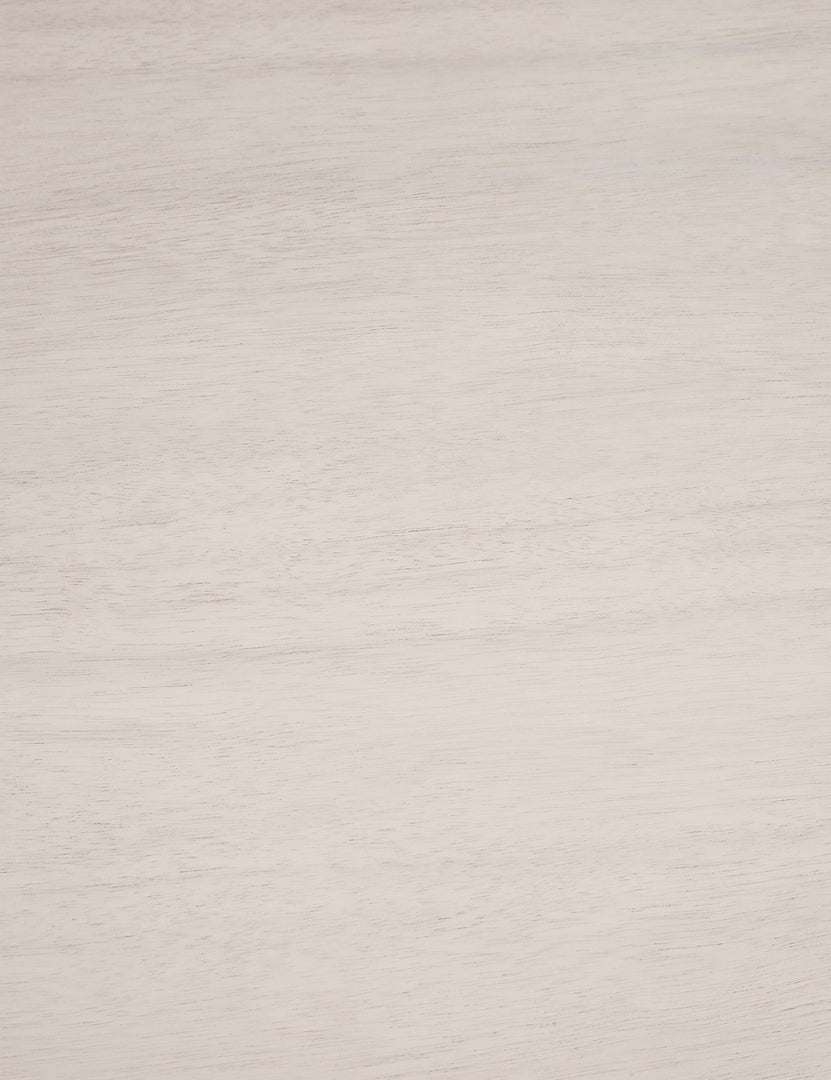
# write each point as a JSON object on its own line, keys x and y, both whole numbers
{"x": 415, "y": 540}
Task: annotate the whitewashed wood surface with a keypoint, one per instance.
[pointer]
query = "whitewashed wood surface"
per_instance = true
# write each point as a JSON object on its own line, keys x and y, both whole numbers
{"x": 416, "y": 604}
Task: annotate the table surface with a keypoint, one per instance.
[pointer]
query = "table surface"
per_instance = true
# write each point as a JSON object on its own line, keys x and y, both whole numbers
{"x": 416, "y": 608}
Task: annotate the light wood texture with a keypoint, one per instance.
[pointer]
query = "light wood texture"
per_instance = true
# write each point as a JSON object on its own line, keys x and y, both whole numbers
{"x": 415, "y": 443}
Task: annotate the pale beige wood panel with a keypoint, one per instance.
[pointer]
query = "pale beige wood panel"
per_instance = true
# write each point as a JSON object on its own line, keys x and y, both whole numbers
{"x": 416, "y": 603}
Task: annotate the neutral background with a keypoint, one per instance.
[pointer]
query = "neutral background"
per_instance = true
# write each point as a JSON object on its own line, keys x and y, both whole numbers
{"x": 416, "y": 452}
